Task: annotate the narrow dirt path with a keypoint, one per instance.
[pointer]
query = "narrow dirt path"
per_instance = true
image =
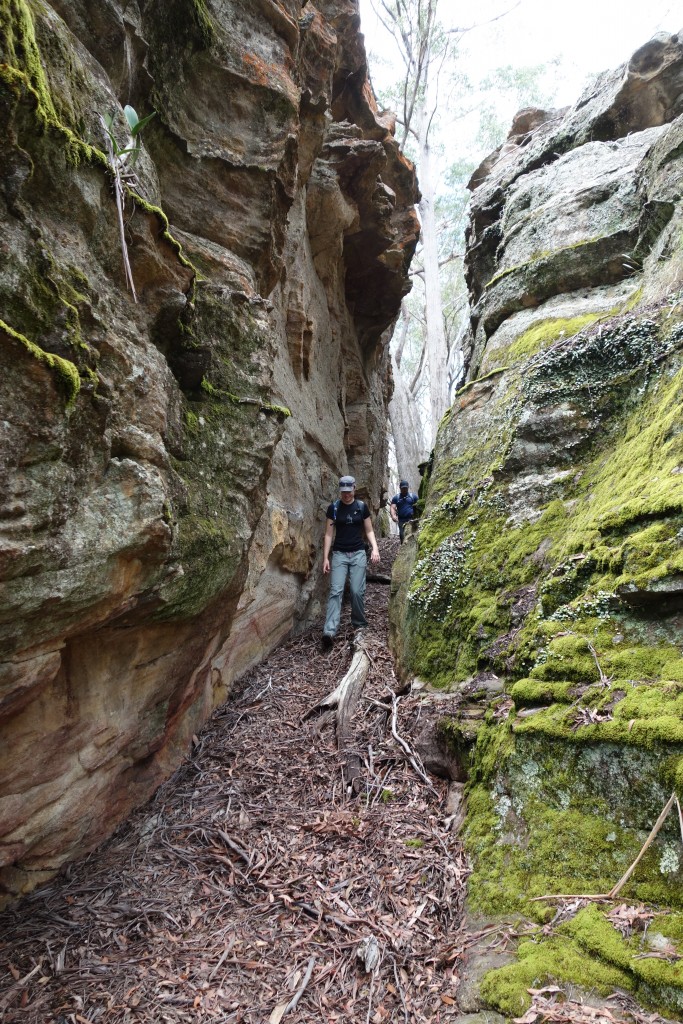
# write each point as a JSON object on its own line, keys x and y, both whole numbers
{"x": 251, "y": 881}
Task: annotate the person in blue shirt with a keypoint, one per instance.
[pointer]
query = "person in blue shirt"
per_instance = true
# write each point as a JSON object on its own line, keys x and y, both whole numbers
{"x": 348, "y": 531}
{"x": 402, "y": 507}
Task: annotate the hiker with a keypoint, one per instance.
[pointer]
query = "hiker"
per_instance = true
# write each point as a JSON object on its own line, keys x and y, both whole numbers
{"x": 402, "y": 507}
{"x": 348, "y": 533}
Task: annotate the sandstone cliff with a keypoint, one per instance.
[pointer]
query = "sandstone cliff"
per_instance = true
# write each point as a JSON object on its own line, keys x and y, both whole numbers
{"x": 165, "y": 464}
{"x": 545, "y": 586}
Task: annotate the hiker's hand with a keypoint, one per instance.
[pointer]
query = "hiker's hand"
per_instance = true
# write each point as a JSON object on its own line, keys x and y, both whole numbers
{"x": 326, "y": 566}
{"x": 374, "y": 557}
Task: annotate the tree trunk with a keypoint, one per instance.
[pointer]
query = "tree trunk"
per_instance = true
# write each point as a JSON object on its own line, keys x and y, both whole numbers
{"x": 406, "y": 429}
{"x": 437, "y": 351}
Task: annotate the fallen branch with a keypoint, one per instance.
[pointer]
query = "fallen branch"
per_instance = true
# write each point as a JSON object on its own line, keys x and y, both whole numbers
{"x": 658, "y": 824}
{"x": 405, "y": 747}
{"x": 602, "y": 897}
{"x": 302, "y": 987}
{"x": 343, "y": 701}
{"x": 612, "y": 894}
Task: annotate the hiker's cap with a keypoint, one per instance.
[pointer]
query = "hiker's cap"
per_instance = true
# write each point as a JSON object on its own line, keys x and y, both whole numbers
{"x": 347, "y": 483}
{"x": 404, "y": 483}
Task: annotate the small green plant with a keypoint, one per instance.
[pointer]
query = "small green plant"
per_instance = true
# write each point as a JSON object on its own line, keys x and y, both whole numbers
{"x": 129, "y": 154}
{"x": 121, "y": 162}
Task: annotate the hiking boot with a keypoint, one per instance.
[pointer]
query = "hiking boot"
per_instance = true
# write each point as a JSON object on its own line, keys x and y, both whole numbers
{"x": 326, "y": 641}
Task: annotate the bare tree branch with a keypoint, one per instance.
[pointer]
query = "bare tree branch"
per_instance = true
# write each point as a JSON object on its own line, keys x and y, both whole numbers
{"x": 405, "y": 324}
{"x": 416, "y": 376}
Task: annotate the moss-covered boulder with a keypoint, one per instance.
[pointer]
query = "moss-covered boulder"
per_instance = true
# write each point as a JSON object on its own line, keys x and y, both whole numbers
{"x": 550, "y": 553}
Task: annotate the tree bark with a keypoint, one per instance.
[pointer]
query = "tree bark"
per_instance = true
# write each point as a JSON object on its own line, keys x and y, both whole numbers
{"x": 342, "y": 702}
{"x": 437, "y": 350}
{"x": 406, "y": 429}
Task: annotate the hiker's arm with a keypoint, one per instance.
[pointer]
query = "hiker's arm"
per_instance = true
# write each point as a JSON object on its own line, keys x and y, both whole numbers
{"x": 392, "y": 511}
{"x": 370, "y": 534}
{"x": 327, "y": 544}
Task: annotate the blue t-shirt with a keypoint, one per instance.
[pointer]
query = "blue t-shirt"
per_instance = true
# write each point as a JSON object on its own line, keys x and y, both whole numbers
{"x": 404, "y": 505}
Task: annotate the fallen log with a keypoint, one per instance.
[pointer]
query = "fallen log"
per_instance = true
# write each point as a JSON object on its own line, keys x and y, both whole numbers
{"x": 378, "y": 577}
{"x": 341, "y": 704}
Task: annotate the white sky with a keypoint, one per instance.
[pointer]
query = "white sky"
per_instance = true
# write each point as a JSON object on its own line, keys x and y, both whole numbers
{"x": 589, "y": 35}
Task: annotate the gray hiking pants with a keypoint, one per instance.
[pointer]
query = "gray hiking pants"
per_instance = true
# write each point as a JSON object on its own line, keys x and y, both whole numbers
{"x": 353, "y": 565}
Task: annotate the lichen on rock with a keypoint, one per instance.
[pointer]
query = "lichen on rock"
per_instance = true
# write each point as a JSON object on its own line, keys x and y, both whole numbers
{"x": 550, "y": 551}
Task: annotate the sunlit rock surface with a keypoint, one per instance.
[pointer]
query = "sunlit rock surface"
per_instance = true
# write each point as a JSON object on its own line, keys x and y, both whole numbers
{"x": 165, "y": 465}
{"x": 550, "y": 551}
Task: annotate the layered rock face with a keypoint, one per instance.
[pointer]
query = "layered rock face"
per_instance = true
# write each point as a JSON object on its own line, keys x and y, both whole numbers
{"x": 545, "y": 585}
{"x": 165, "y": 464}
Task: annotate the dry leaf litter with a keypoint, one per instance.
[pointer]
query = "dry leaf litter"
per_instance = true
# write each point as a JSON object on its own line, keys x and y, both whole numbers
{"x": 253, "y": 888}
{"x": 251, "y": 880}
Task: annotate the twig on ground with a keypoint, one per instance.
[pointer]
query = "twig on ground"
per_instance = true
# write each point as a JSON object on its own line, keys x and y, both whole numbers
{"x": 405, "y": 747}
{"x": 302, "y": 987}
{"x": 605, "y": 680}
{"x": 657, "y": 825}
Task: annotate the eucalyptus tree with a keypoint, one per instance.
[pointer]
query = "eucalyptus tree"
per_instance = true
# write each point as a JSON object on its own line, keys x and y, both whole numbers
{"x": 424, "y": 47}
{"x": 432, "y": 96}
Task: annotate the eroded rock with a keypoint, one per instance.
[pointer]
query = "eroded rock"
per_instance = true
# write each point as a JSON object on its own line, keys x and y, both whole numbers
{"x": 166, "y": 464}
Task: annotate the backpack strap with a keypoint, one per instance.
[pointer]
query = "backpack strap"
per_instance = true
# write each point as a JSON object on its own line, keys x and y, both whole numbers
{"x": 355, "y": 505}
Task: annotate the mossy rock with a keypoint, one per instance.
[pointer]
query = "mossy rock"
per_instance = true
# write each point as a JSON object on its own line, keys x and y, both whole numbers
{"x": 588, "y": 951}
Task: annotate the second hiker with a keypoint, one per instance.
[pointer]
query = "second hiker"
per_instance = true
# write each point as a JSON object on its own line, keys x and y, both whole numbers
{"x": 402, "y": 507}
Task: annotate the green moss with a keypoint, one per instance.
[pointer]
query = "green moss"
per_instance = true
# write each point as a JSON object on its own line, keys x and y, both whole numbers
{"x": 479, "y": 380}
{"x": 66, "y": 373}
{"x": 562, "y": 800}
{"x": 541, "y": 335}
{"x": 673, "y": 670}
{"x": 226, "y": 453}
{"x": 414, "y": 844}
{"x": 280, "y": 411}
{"x": 45, "y": 301}
{"x": 187, "y": 23}
{"x": 523, "y": 848}
{"x": 457, "y": 601}
{"x": 213, "y": 552}
{"x": 620, "y": 530}
{"x": 157, "y": 212}
{"x": 531, "y": 692}
{"x": 567, "y": 812}
{"x": 541, "y": 962}
{"x": 277, "y": 410}
{"x": 633, "y": 302}
{"x": 539, "y": 257}
{"x": 204, "y": 22}
{"x": 657, "y": 982}
{"x": 23, "y": 69}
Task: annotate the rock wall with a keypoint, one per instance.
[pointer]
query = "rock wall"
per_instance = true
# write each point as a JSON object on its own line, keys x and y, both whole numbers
{"x": 166, "y": 463}
{"x": 545, "y": 585}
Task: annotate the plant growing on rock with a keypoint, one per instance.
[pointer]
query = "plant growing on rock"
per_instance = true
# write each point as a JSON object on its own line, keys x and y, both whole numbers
{"x": 121, "y": 162}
